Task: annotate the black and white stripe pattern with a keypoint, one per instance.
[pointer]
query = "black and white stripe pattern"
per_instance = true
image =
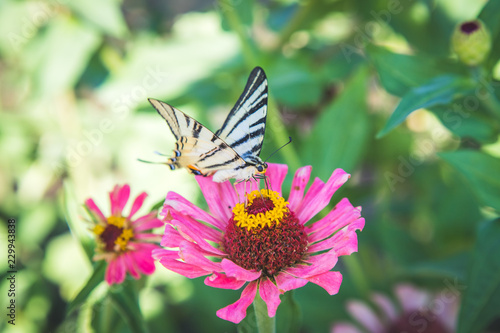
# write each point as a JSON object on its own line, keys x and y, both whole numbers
{"x": 245, "y": 125}
{"x": 233, "y": 152}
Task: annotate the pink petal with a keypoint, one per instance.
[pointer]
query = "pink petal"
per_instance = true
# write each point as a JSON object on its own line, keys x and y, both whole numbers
{"x": 276, "y": 174}
{"x": 319, "y": 195}
{"x": 330, "y": 281}
{"x": 269, "y": 294}
{"x": 343, "y": 214}
{"x": 130, "y": 266}
{"x": 155, "y": 223}
{"x": 344, "y": 241}
{"x": 286, "y": 282}
{"x": 143, "y": 259}
{"x": 148, "y": 221}
{"x": 139, "y": 200}
{"x": 197, "y": 232}
{"x": 299, "y": 184}
{"x": 177, "y": 203}
{"x": 190, "y": 254}
{"x": 246, "y": 187}
{"x": 98, "y": 215}
{"x": 157, "y": 254}
{"x": 187, "y": 270}
{"x": 345, "y": 328}
{"x": 366, "y": 317}
{"x": 386, "y": 305}
{"x": 115, "y": 272}
{"x": 238, "y": 310}
{"x": 231, "y": 269}
{"x": 411, "y": 298}
{"x": 171, "y": 237}
{"x": 147, "y": 237}
{"x": 223, "y": 281}
{"x": 202, "y": 230}
{"x": 118, "y": 198}
{"x": 320, "y": 263}
{"x": 220, "y": 197}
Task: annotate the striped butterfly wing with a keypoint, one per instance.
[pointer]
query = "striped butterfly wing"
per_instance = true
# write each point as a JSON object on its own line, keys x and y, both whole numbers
{"x": 197, "y": 148}
{"x": 245, "y": 125}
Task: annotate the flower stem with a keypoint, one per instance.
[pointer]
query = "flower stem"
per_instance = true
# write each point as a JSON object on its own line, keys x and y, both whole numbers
{"x": 265, "y": 324}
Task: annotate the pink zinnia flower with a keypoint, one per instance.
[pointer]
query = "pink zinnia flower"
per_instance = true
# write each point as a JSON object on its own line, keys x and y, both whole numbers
{"x": 122, "y": 240}
{"x": 265, "y": 241}
{"x": 418, "y": 312}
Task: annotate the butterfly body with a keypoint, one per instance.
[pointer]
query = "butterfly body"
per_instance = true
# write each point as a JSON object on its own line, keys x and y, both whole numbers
{"x": 230, "y": 153}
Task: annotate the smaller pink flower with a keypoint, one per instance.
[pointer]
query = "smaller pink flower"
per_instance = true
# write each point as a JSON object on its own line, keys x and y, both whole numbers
{"x": 257, "y": 238}
{"x": 418, "y": 312}
{"x": 122, "y": 240}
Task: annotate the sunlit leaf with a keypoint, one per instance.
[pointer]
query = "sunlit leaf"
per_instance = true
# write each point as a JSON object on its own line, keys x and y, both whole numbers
{"x": 105, "y": 15}
{"x": 95, "y": 279}
{"x": 440, "y": 90}
{"x": 481, "y": 170}
{"x": 125, "y": 300}
{"x": 62, "y": 55}
{"x": 481, "y": 292}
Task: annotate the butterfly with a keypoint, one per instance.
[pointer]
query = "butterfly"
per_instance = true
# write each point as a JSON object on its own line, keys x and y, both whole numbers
{"x": 233, "y": 151}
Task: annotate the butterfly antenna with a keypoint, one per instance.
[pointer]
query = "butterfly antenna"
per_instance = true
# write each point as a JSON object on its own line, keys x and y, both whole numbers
{"x": 158, "y": 153}
{"x": 150, "y": 162}
{"x": 289, "y": 141}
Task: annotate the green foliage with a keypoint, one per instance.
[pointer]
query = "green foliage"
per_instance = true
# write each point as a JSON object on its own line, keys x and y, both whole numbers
{"x": 482, "y": 288}
{"x": 74, "y": 119}
{"x": 440, "y": 90}
{"x": 481, "y": 170}
{"x": 340, "y": 134}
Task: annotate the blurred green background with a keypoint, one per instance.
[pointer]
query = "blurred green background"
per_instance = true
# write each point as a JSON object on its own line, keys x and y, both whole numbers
{"x": 75, "y": 77}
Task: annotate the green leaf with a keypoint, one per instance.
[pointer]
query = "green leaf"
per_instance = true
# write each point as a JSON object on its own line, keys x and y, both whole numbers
{"x": 452, "y": 267}
{"x": 489, "y": 15}
{"x": 400, "y": 72}
{"x": 289, "y": 315}
{"x": 481, "y": 299}
{"x": 94, "y": 280}
{"x": 243, "y": 10}
{"x": 339, "y": 137}
{"x": 125, "y": 300}
{"x": 105, "y": 15}
{"x": 439, "y": 91}
{"x": 293, "y": 83}
{"x": 61, "y": 55}
{"x": 481, "y": 170}
{"x": 467, "y": 124}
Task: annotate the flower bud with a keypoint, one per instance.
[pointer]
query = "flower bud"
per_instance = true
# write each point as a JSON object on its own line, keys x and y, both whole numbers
{"x": 471, "y": 41}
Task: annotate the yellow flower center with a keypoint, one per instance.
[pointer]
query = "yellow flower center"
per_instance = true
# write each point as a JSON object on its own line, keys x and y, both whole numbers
{"x": 114, "y": 236}
{"x": 264, "y": 208}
